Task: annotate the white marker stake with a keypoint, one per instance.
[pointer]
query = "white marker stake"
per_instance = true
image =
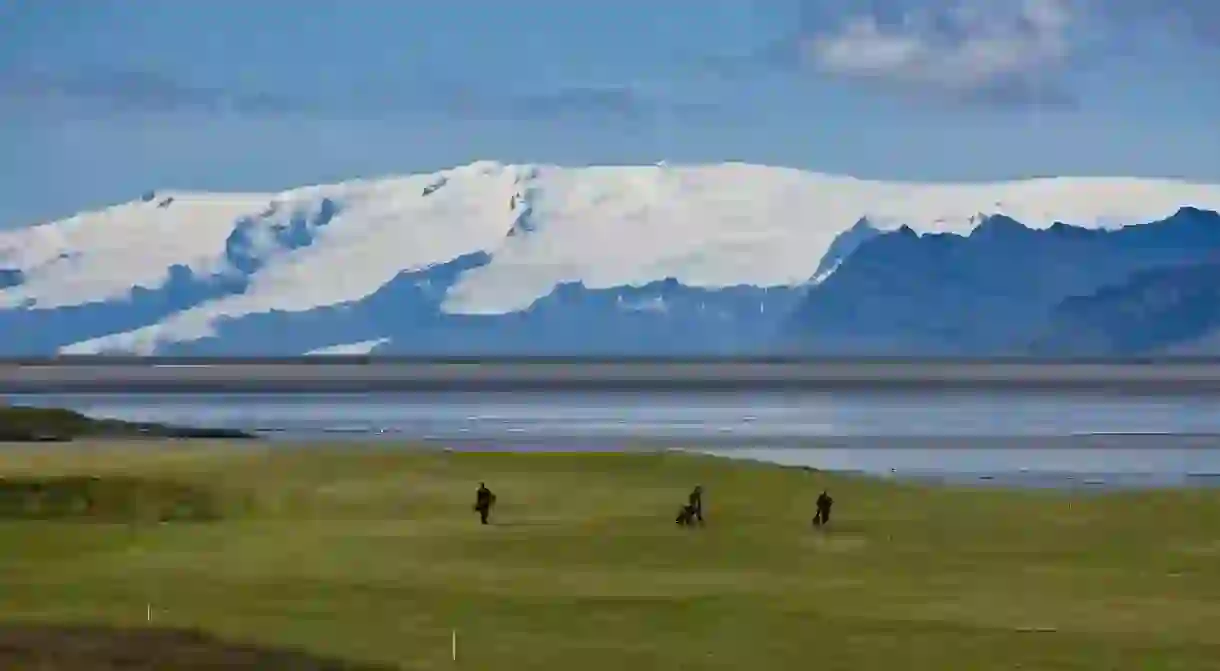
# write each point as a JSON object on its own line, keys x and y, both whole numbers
{"x": 453, "y": 645}
{"x": 148, "y": 612}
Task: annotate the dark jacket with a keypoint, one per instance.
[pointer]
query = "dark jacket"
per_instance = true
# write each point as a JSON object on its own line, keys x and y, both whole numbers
{"x": 696, "y": 499}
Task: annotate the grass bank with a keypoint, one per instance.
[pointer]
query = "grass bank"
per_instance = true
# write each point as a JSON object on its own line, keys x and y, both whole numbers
{"x": 20, "y": 424}
{"x": 374, "y": 555}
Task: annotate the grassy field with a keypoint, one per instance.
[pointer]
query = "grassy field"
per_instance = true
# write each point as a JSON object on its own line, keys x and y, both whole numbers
{"x": 375, "y": 556}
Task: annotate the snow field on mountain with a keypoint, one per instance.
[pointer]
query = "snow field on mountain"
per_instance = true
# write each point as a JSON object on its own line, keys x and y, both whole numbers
{"x": 704, "y": 225}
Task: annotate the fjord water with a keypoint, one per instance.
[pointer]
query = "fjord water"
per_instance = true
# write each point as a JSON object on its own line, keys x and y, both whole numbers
{"x": 1029, "y": 438}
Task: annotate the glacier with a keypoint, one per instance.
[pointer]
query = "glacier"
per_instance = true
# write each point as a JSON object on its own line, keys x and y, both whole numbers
{"x": 492, "y": 256}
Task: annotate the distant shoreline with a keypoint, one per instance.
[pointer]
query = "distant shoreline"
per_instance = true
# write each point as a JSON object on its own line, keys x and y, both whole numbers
{"x": 24, "y": 424}
{"x": 364, "y": 375}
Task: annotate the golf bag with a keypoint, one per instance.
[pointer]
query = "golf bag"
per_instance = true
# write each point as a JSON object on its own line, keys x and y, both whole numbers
{"x": 821, "y": 518}
{"x": 686, "y": 516}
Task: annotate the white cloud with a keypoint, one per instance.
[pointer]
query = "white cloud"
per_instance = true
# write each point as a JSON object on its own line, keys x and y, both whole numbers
{"x": 968, "y": 47}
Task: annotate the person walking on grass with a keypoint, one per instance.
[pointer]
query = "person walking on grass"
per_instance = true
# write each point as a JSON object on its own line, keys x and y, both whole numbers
{"x": 484, "y": 499}
{"x": 694, "y": 503}
{"x": 693, "y": 510}
{"x": 824, "y": 502}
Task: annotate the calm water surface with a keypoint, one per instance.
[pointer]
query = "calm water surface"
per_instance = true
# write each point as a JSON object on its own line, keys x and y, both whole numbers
{"x": 1088, "y": 440}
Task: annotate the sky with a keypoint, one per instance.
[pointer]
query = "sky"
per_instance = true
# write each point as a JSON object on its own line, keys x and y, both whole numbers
{"x": 103, "y": 100}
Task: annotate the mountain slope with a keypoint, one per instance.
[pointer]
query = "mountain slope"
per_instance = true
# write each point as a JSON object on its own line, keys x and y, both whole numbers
{"x": 843, "y": 246}
{"x": 495, "y": 257}
{"x": 987, "y": 292}
{"x": 1163, "y": 310}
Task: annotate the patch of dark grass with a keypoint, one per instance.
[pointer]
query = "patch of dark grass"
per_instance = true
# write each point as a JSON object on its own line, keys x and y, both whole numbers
{"x": 105, "y": 499}
{"x": 20, "y": 424}
{"x": 95, "y": 648}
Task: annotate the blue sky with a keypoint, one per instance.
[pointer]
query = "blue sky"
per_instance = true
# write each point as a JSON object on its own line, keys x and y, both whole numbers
{"x": 101, "y": 100}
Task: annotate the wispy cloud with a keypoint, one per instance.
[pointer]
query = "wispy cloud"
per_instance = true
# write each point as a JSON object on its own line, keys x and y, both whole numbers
{"x": 100, "y": 91}
{"x": 596, "y": 103}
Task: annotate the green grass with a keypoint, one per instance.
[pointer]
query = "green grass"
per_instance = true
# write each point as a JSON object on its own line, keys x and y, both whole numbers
{"x": 375, "y": 555}
{"x": 119, "y": 498}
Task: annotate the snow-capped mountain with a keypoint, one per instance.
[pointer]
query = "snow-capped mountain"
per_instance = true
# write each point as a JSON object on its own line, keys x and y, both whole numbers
{"x": 492, "y": 258}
